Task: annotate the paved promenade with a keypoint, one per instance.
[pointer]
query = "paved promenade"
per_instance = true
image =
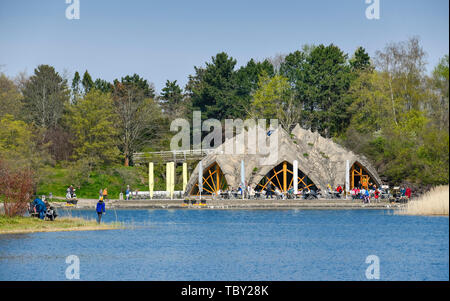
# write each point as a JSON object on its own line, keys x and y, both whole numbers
{"x": 232, "y": 204}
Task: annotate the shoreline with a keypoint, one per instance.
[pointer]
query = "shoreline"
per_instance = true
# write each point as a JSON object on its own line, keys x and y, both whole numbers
{"x": 24, "y": 225}
{"x": 229, "y": 204}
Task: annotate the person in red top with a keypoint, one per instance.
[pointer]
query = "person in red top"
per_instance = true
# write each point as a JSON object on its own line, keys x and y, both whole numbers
{"x": 408, "y": 193}
{"x": 377, "y": 193}
{"x": 339, "y": 190}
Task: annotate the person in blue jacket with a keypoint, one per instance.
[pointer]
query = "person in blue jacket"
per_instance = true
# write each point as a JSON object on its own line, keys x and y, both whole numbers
{"x": 40, "y": 207}
{"x": 100, "y": 209}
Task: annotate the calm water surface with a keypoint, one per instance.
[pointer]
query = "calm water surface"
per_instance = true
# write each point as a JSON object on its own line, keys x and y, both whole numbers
{"x": 236, "y": 245}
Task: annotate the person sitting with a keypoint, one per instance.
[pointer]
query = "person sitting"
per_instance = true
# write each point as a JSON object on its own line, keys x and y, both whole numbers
{"x": 366, "y": 196}
{"x": 408, "y": 193}
{"x": 312, "y": 194}
{"x": 290, "y": 193}
{"x": 278, "y": 193}
{"x": 251, "y": 192}
{"x": 269, "y": 191}
{"x": 40, "y": 207}
{"x": 72, "y": 191}
{"x": 339, "y": 190}
{"x": 376, "y": 194}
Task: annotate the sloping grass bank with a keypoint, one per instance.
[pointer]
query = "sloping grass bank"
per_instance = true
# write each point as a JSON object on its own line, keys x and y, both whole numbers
{"x": 19, "y": 224}
{"x": 57, "y": 179}
{"x": 434, "y": 202}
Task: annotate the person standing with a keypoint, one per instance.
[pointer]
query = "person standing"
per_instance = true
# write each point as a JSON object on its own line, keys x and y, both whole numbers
{"x": 127, "y": 193}
{"x": 105, "y": 194}
{"x": 408, "y": 193}
{"x": 71, "y": 190}
{"x": 100, "y": 209}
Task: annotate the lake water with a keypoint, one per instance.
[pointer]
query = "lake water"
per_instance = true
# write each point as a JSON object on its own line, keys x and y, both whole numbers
{"x": 236, "y": 245}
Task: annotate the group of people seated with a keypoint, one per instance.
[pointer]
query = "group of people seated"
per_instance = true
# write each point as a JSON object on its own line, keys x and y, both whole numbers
{"x": 42, "y": 209}
{"x": 248, "y": 192}
{"x": 70, "y": 193}
{"x": 366, "y": 193}
{"x": 271, "y": 191}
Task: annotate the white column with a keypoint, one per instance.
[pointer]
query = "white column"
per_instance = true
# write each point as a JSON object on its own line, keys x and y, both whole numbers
{"x": 168, "y": 179}
{"x": 184, "y": 177}
{"x": 200, "y": 178}
{"x": 172, "y": 179}
{"x": 347, "y": 178}
{"x": 243, "y": 177}
{"x": 295, "y": 180}
{"x": 151, "y": 181}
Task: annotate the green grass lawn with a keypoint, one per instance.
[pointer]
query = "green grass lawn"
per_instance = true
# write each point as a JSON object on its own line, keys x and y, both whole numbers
{"x": 115, "y": 178}
{"x": 57, "y": 179}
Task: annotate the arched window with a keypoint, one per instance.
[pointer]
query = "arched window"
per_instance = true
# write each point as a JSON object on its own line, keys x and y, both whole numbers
{"x": 359, "y": 177}
{"x": 282, "y": 176}
{"x": 213, "y": 180}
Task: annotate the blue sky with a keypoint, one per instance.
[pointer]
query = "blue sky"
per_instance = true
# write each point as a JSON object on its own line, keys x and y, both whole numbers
{"x": 163, "y": 40}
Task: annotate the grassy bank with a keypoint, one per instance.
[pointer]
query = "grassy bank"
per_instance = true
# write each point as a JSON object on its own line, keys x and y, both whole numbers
{"x": 57, "y": 179}
{"x": 434, "y": 202}
{"x": 19, "y": 224}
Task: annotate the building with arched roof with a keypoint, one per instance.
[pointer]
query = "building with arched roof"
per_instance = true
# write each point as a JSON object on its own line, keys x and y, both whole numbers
{"x": 321, "y": 162}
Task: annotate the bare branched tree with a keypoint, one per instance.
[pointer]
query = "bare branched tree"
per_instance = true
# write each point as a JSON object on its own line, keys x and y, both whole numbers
{"x": 16, "y": 187}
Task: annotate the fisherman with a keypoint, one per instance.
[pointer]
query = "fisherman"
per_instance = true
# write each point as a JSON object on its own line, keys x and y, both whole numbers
{"x": 100, "y": 209}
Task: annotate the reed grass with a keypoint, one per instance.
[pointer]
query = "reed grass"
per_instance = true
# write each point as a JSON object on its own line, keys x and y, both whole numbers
{"x": 19, "y": 224}
{"x": 434, "y": 202}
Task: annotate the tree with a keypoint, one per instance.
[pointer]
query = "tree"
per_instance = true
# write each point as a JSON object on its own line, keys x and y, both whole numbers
{"x": 439, "y": 101}
{"x": 396, "y": 117}
{"x": 215, "y": 93}
{"x": 16, "y": 189}
{"x": 92, "y": 122}
{"x": 321, "y": 77}
{"x": 87, "y": 82}
{"x": 76, "y": 87}
{"x": 172, "y": 99}
{"x": 274, "y": 99}
{"x": 45, "y": 95}
{"x": 403, "y": 66}
{"x": 103, "y": 85}
{"x": 139, "y": 117}
{"x": 140, "y": 83}
{"x": 10, "y": 97}
{"x": 16, "y": 140}
{"x": 360, "y": 60}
